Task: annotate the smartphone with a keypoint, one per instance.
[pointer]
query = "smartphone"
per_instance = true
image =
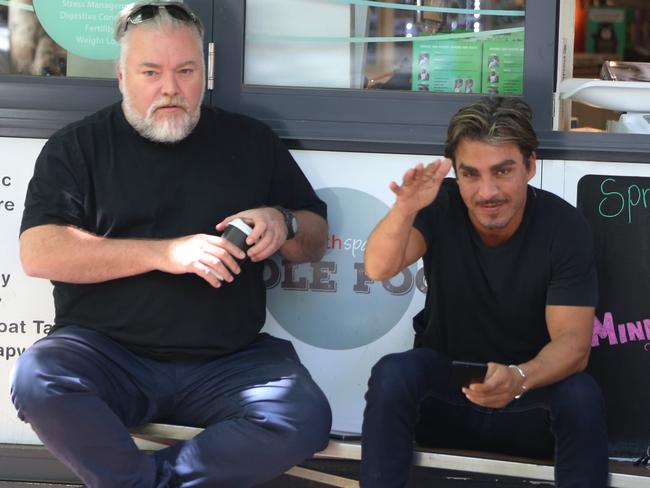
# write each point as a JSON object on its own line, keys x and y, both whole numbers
{"x": 464, "y": 373}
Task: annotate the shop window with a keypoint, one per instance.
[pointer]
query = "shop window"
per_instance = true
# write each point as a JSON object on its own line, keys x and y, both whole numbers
{"x": 611, "y": 43}
{"x": 442, "y": 46}
{"x": 340, "y": 74}
{"x": 379, "y": 75}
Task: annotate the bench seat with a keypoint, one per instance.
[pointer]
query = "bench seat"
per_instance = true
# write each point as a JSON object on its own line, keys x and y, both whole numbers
{"x": 622, "y": 474}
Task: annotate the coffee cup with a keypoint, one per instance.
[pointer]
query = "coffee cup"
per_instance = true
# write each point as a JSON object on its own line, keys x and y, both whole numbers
{"x": 236, "y": 232}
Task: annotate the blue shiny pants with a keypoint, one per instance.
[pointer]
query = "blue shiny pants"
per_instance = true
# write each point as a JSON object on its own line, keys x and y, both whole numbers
{"x": 81, "y": 391}
{"x": 410, "y": 398}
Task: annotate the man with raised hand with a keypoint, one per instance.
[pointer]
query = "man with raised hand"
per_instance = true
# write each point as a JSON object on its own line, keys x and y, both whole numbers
{"x": 511, "y": 282}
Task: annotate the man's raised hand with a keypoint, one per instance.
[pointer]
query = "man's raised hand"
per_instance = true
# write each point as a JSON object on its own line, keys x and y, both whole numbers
{"x": 420, "y": 185}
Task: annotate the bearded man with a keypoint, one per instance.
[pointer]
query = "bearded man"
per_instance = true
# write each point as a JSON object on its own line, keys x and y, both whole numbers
{"x": 158, "y": 318}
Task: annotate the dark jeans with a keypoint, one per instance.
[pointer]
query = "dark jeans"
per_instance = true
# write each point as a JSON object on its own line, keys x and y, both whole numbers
{"x": 404, "y": 385}
{"x": 261, "y": 410}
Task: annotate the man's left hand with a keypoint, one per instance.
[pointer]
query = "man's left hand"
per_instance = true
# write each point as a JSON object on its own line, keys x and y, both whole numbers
{"x": 500, "y": 387}
{"x": 269, "y": 231}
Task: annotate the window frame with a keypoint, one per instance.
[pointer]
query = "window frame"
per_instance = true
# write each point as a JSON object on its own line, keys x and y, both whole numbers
{"x": 35, "y": 107}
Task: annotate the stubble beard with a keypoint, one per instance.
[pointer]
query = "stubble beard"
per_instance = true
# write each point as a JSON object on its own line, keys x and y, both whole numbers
{"x": 499, "y": 221}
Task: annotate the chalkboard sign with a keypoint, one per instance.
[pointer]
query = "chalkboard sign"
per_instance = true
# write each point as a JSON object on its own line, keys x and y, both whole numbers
{"x": 618, "y": 209}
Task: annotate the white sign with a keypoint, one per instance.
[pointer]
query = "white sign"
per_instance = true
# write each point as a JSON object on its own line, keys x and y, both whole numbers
{"x": 26, "y": 307}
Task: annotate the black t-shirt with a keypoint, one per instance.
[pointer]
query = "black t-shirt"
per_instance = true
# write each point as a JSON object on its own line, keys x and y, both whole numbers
{"x": 488, "y": 303}
{"x": 100, "y": 175}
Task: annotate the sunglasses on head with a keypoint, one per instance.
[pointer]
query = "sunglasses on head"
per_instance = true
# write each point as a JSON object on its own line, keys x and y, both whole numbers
{"x": 148, "y": 11}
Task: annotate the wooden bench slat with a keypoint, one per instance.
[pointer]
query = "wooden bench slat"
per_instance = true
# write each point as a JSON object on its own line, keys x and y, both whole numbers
{"x": 622, "y": 475}
{"x": 323, "y": 478}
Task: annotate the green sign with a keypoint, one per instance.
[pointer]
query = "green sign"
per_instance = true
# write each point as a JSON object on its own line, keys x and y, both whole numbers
{"x": 490, "y": 65}
{"x": 82, "y": 27}
{"x": 503, "y": 65}
{"x": 447, "y": 66}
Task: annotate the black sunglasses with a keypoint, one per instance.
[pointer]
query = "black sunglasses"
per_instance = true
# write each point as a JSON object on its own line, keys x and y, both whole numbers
{"x": 148, "y": 11}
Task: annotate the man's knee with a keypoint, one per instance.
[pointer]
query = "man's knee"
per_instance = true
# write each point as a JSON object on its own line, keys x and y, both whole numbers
{"x": 388, "y": 377}
{"x": 28, "y": 390}
{"x": 398, "y": 374}
{"x": 39, "y": 382}
{"x": 300, "y": 415}
{"x": 316, "y": 418}
{"x": 579, "y": 389}
{"x": 579, "y": 397}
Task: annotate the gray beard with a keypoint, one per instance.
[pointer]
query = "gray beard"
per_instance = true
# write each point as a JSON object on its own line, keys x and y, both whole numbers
{"x": 170, "y": 129}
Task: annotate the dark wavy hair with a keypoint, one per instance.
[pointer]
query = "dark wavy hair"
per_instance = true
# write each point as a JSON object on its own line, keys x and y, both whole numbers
{"x": 495, "y": 121}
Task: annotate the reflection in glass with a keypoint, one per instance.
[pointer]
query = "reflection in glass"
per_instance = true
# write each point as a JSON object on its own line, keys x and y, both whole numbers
{"x": 4, "y": 41}
{"x": 27, "y": 49}
{"x": 612, "y": 42}
{"x": 455, "y": 46}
